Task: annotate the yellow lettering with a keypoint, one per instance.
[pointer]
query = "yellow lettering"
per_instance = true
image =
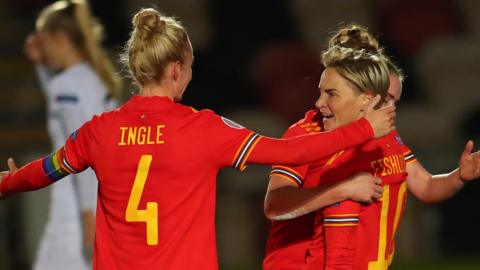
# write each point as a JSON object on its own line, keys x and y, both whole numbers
{"x": 159, "y": 134}
{"x": 149, "y": 129}
{"x": 387, "y": 162}
{"x": 402, "y": 163}
{"x": 122, "y": 138}
{"x": 141, "y": 135}
{"x": 395, "y": 166}
{"x": 132, "y": 135}
{"x": 382, "y": 166}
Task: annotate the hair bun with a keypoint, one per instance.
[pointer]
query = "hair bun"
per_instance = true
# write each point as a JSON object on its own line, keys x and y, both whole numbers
{"x": 356, "y": 37}
{"x": 148, "y": 23}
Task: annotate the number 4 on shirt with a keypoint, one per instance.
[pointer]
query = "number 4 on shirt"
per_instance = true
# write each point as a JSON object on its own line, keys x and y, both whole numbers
{"x": 149, "y": 215}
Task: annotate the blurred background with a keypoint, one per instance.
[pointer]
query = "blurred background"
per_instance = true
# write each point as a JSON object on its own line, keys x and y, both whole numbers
{"x": 257, "y": 62}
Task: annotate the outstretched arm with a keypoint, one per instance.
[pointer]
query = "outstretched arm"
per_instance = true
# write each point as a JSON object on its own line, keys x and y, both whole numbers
{"x": 12, "y": 167}
{"x": 311, "y": 147}
{"x": 29, "y": 177}
{"x": 434, "y": 188}
{"x": 285, "y": 200}
{"x": 71, "y": 158}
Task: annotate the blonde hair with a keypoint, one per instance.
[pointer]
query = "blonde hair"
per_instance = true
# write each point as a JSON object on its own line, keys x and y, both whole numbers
{"x": 75, "y": 20}
{"x": 156, "y": 41}
{"x": 367, "y": 72}
{"x": 358, "y": 37}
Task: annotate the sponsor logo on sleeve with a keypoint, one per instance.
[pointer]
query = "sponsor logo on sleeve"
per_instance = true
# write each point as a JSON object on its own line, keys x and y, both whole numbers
{"x": 399, "y": 140}
{"x": 74, "y": 135}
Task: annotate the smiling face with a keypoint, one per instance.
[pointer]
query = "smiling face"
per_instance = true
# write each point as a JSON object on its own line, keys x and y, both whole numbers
{"x": 340, "y": 102}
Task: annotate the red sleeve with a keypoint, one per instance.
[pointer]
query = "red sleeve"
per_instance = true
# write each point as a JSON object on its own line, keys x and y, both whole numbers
{"x": 71, "y": 158}
{"x": 229, "y": 143}
{"x": 294, "y": 174}
{"x": 310, "y": 147}
{"x": 407, "y": 153}
{"x": 30, "y": 177}
{"x": 77, "y": 151}
{"x": 340, "y": 221}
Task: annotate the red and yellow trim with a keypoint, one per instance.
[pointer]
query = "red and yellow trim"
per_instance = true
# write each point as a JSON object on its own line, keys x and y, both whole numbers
{"x": 287, "y": 173}
{"x": 245, "y": 150}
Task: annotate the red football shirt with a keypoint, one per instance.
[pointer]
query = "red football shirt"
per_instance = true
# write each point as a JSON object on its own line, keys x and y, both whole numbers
{"x": 288, "y": 240}
{"x": 157, "y": 186}
{"x": 350, "y": 235}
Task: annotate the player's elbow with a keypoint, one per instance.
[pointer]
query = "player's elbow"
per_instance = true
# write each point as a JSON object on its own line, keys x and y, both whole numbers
{"x": 269, "y": 208}
{"x": 272, "y": 208}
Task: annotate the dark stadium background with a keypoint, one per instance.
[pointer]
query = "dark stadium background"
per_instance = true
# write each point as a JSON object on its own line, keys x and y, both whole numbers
{"x": 257, "y": 62}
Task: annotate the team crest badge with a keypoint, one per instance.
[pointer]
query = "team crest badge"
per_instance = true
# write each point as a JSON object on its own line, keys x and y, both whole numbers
{"x": 74, "y": 135}
{"x": 231, "y": 123}
{"x": 399, "y": 140}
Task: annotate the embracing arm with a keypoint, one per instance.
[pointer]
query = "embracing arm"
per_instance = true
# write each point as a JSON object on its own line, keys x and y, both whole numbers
{"x": 311, "y": 147}
{"x": 285, "y": 200}
{"x": 430, "y": 188}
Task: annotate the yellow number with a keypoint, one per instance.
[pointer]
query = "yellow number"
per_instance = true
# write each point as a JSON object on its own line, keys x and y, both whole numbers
{"x": 381, "y": 263}
{"x": 149, "y": 215}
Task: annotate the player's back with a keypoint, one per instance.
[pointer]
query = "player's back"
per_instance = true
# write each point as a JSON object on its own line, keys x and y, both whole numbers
{"x": 156, "y": 170}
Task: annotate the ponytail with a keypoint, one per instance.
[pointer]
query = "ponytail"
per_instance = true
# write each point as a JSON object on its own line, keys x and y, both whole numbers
{"x": 92, "y": 32}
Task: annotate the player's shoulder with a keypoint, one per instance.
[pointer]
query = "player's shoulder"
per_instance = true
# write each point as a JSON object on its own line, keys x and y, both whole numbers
{"x": 396, "y": 138}
{"x": 79, "y": 81}
{"x": 308, "y": 124}
{"x": 207, "y": 116}
{"x": 107, "y": 117}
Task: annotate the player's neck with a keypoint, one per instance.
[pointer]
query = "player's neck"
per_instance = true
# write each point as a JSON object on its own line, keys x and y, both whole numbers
{"x": 157, "y": 90}
{"x": 71, "y": 59}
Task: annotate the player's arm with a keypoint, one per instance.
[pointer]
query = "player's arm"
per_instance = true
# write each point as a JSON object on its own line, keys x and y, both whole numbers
{"x": 340, "y": 226}
{"x": 34, "y": 175}
{"x": 73, "y": 157}
{"x": 286, "y": 200}
{"x": 434, "y": 188}
{"x": 308, "y": 148}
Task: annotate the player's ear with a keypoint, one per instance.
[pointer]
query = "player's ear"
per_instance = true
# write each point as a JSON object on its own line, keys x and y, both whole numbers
{"x": 176, "y": 70}
{"x": 367, "y": 98}
{"x": 173, "y": 70}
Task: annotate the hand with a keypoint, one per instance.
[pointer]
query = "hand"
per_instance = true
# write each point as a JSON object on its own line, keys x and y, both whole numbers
{"x": 381, "y": 120}
{"x": 363, "y": 187}
{"x": 12, "y": 167}
{"x": 33, "y": 49}
{"x": 469, "y": 165}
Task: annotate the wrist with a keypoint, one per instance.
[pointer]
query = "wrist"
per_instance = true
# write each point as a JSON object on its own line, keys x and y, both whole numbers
{"x": 462, "y": 181}
{"x": 458, "y": 175}
{"x": 341, "y": 190}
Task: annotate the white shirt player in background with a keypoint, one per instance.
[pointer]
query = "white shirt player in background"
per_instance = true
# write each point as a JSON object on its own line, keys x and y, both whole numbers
{"x": 78, "y": 82}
